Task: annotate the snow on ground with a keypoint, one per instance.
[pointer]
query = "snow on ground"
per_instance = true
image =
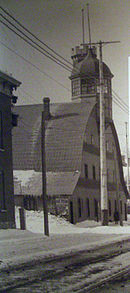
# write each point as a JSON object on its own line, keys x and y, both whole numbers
{"x": 58, "y": 225}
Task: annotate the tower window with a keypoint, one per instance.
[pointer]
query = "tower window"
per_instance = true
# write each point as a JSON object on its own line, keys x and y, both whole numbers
{"x": 76, "y": 87}
{"x": 87, "y": 87}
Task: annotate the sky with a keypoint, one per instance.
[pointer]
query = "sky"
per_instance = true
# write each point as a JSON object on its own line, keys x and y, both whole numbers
{"x": 58, "y": 24}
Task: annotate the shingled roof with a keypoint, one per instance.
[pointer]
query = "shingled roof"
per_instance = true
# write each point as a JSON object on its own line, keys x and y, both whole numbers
{"x": 61, "y": 183}
{"x": 64, "y": 136}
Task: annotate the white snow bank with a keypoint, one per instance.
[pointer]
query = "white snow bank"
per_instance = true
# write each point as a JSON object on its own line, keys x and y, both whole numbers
{"x": 57, "y": 225}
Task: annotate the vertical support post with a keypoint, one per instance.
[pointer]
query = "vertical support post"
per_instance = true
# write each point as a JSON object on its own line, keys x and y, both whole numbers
{"x": 83, "y": 25}
{"x": 89, "y": 24}
{"x": 44, "y": 196}
{"x": 103, "y": 171}
{"x": 127, "y": 156}
{"x": 22, "y": 219}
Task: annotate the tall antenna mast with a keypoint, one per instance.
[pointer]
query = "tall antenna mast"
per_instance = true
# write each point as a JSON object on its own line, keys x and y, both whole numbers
{"x": 89, "y": 25}
{"x": 83, "y": 25}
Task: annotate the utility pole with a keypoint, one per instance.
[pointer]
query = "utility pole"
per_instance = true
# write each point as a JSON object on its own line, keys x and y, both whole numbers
{"x": 43, "y": 155}
{"x": 127, "y": 155}
{"x": 103, "y": 168}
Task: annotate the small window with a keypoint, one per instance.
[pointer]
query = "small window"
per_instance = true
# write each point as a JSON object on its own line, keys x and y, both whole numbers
{"x": 2, "y": 191}
{"x": 76, "y": 87}
{"x": 79, "y": 207}
{"x": 109, "y": 203}
{"x": 1, "y": 131}
{"x": 94, "y": 172}
{"x": 115, "y": 205}
{"x": 86, "y": 170}
{"x": 95, "y": 208}
{"x": 88, "y": 207}
{"x": 92, "y": 139}
{"x": 121, "y": 207}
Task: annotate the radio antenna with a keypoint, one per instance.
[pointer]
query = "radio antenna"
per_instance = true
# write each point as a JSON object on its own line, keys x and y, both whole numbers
{"x": 89, "y": 25}
{"x": 83, "y": 25}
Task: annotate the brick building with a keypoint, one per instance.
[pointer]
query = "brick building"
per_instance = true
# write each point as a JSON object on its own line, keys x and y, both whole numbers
{"x": 73, "y": 144}
{"x": 7, "y": 121}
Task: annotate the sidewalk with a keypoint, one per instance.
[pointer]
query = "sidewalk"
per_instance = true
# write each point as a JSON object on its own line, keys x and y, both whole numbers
{"x": 26, "y": 256}
{"x": 20, "y": 248}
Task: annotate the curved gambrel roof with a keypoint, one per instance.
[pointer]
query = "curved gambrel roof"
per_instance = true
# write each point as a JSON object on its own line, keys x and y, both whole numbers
{"x": 119, "y": 159}
{"x": 64, "y": 136}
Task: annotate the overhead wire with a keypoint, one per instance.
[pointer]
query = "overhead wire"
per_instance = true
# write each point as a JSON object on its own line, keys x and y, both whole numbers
{"x": 33, "y": 65}
{"x": 32, "y": 45}
{"x": 117, "y": 99}
{"x": 33, "y": 35}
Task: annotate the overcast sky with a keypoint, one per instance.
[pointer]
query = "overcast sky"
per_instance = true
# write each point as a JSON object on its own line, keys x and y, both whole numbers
{"x": 58, "y": 24}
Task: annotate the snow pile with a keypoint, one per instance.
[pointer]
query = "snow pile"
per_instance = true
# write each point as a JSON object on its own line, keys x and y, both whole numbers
{"x": 57, "y": 225}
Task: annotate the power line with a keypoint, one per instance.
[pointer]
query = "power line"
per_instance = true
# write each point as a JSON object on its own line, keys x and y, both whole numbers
{"x": 33, "y": 35}
{"x": 119, "y": 98}
{"x": 35, "y": 66}
{"x": 122, "y": 104}
{"x": 115, "y": 100}
{"x": 60, "y": 63}
{"x": 50, "y": 56}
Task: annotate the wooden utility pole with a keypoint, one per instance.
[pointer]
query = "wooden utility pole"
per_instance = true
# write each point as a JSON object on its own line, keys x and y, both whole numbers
{"x": 103, "y": 168}
{"x": 44, "y": 196}
{"x": 127, "y": 155}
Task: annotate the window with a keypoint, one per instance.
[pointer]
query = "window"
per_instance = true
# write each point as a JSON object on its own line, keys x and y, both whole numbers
{"x": 121, "y": 207}
{"x": 96, "y": 208}
{"x": 105, "y": 86}
{"x": 76, "y": 87}
{"x": 79, "y": 207}
{"x": 87, "y": 87}
{"x": 2, "y": 192}
{"x": 88, "y": 207}
{"x": 94, "y": 172}
{"x": 109, "y": 203}
{"x": 86, "y": 170}
{"x": 115, "y": 205}
{"x": 92, "y": 139}
{"x": 1, "y": 131}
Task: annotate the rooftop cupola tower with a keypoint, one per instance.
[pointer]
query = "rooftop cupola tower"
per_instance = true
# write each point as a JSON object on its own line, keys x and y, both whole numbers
{"x": 85, "y": 82}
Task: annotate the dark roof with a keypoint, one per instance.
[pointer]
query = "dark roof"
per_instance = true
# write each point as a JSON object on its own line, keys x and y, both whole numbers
{"x": 8, "y": 78}
{"x": 119, "y": 160}
{"x": 58, "y": 183}
{"x": 64, "y": 136}
{"x": 90, "y": 66}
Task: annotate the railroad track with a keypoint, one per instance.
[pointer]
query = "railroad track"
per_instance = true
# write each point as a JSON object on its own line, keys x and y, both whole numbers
{"x": 74, "y": 273}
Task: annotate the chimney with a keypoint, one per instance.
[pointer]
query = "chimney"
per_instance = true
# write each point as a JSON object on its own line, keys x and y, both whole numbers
{"x": 46, "y": 106}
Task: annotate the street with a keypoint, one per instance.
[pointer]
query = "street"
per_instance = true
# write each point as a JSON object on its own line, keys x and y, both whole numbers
{"x": 78, "y": 273}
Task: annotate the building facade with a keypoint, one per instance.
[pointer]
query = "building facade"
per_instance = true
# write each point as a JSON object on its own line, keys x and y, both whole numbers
{"x": 72, "y": 144}
{"x": 7, "y": 121}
